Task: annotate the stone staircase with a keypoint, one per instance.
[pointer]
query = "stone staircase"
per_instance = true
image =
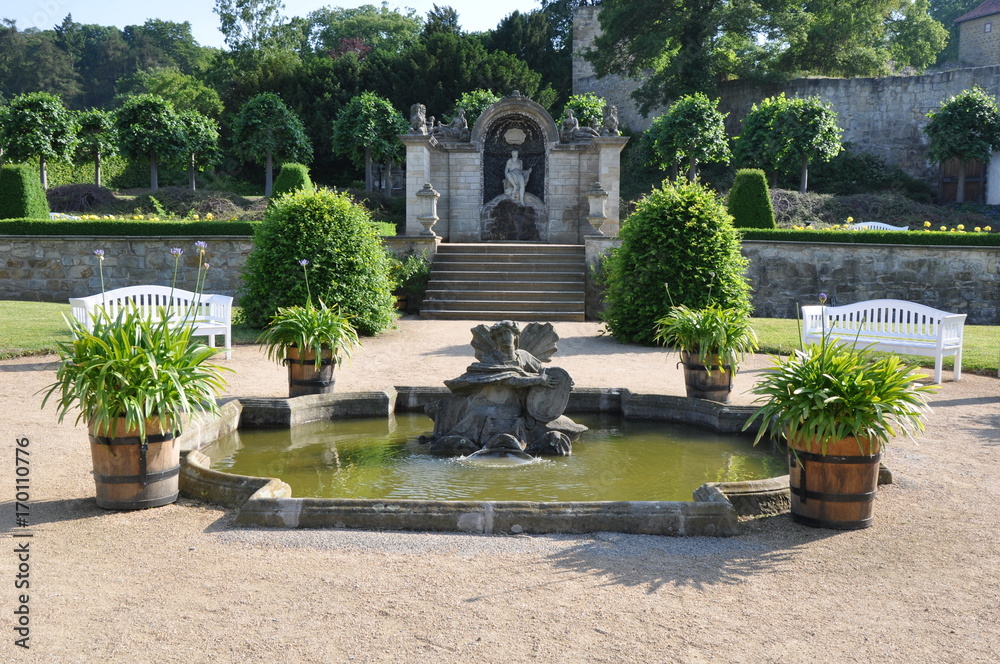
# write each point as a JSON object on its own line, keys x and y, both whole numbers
{"x": 512, "y": 281}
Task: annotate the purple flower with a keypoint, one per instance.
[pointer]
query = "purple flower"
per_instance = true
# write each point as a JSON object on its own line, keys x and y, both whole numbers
{"x": 303, "y": 262}
{"x": 99, "y": 253}
{"x": 822, "y": 297}
{"x": 207, "y": 265}
{"x": 176, "y": 251}
{"x": 201, "y": 245}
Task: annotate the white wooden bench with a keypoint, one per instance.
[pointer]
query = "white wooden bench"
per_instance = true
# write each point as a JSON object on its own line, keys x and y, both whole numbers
{"x": 891, "y": 325}
{"x": 875, "y": 226}
{"x": 212, "y": 314}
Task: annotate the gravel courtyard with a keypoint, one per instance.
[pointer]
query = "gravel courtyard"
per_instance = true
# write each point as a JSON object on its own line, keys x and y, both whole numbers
{"x": 181, "y": 584}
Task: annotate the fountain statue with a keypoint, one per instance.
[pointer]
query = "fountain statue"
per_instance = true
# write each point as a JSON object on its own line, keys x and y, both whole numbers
{"x": 506, "y": 401}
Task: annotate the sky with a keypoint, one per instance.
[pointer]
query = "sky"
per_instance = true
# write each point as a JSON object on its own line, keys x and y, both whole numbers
{"x": 473, "y": 15}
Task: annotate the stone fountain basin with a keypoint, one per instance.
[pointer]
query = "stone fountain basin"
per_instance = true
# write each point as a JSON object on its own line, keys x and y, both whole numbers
{"x": 263, "y": 501}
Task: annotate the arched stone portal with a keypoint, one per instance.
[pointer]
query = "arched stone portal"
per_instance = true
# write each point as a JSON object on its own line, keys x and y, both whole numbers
{"x": 511, "y": 178}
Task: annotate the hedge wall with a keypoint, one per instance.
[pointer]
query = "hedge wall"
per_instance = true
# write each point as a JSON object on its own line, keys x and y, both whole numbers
{"x": 874, "y": 237}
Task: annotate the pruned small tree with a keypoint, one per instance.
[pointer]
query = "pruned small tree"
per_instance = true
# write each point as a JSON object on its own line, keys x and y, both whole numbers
{"x": 692, "y": 131}
{"x": 759, "y": 144}
{"x": 783, "y": 134}
{"x": 37, "y": 124}
{"x": 98, "y": 139}
{"x": 367, "y": 129}
{"x": 200, "y": 136}
{"x": 966, "y": 127}
{"x": 808, "y": 128}
{"x": 149, "y": 128}
{"x": 265, "y": 129}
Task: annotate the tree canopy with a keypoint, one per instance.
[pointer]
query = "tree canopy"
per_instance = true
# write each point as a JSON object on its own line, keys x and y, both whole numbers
{"x": 692, "y": 130}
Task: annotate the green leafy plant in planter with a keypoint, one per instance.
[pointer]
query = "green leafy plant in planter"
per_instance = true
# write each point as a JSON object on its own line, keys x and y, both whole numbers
{"x": 132, "y": 378}
{"x": 712, "y": 342}
{"x": 304, "y": 336}
{"x": 412, "y": 275}
{"x": 837, "y": 406}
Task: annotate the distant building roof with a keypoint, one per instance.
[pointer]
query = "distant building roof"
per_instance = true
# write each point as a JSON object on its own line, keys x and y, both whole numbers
{"x": 988, "y": 8}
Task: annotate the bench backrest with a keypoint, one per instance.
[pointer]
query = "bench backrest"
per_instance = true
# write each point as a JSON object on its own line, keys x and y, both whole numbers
{"x": 152, "y": 301}
{"x": 889, "y": 319}
{"x": 875, "y": 226}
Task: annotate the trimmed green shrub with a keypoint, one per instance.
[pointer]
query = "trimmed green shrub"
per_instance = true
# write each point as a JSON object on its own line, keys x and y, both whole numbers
{"x": 914, "y": 237}
{"x": 292, "y": 177}
{"x": 348, "y": 266}
{"x": 750, "y": 201}
{"x": 681, "y": 236}
{"x": 21, "y": 193}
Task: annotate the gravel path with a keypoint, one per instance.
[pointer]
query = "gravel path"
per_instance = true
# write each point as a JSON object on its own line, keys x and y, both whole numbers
{"x": 181, "y": 584}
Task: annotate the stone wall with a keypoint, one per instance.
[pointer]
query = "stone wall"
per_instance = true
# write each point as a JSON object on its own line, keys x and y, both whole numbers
{"x": 884, "y": 116}
{"x": 956, "y": 279}
{"x": 56, "y": 268}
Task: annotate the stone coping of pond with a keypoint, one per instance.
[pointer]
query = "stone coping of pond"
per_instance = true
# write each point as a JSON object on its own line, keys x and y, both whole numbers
{"x": 264, "y": 501}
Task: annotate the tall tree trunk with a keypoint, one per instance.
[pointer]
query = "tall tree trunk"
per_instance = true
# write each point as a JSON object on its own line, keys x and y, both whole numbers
{"x": 268, "y": 173}
{"x": 388, "y": 176}
{"x": 960, "y": 194}
{"x": 191, "y": 172}
{"x": 154, "y": 179}
{"x": 692, "y": 169}
{"x": 1, "y": 157}
{"x": 674, "y": 172}
{"x": 43, "y": 172}
{"x": 97, "y": 167}
{"x": 804, "y": 180}
{"x": 774, "y": 179}
{"x": 369, "y": 176}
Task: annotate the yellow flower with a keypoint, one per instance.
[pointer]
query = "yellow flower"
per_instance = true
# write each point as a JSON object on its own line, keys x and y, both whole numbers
{"x": 927, "y": 224}
{"x": 943, "y": 228}
{"x": 988, "y": 228}
{"x": 961, "y": 227}
{"x": 850, "y": 220}
{"x": 209, "y": 216}
{"x": 978, "y": 229}
{"x": 195, "y": 217}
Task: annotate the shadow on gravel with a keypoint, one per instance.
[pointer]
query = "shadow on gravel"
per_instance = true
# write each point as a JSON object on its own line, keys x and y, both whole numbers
{"x": 56, "y": 511}
{"x": 24, "y": 368}
{"x": 654, "y": 562}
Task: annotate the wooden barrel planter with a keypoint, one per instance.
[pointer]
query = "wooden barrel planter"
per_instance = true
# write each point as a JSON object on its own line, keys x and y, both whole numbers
{"x": 132, "y": 473}
{"x": 303, "y": 378}
{"x": 836, "y": 489}
{"x": 712, "y": 381}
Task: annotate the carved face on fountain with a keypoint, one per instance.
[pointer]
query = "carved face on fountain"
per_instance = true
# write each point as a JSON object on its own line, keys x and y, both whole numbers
{"x": 505, "y": 334}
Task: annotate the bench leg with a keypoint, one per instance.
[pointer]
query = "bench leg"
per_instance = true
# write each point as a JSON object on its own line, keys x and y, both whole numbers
{"x": 229, "y": 344}
{"x": 938, "y": 363}
{"x": 958, "y": 365}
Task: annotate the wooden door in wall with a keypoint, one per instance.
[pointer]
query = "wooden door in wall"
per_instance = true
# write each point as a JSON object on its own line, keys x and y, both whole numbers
{"x": 975, "y": 181}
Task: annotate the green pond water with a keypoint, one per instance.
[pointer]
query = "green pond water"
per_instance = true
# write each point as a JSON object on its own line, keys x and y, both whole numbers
{"x": 381, "y": 459}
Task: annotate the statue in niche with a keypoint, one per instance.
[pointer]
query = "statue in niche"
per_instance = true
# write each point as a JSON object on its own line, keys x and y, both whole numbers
{"x": 572, "y": 131}
{"x": 456, "y": 130}
{"x": 610, "y": 120}
{"x": 515, "y": 178}
{"x": 418, "y": 119}
{"x": 506, "y": 401}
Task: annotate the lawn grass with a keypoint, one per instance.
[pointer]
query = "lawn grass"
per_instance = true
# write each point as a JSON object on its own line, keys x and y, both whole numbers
{"x": 35, "y": 328}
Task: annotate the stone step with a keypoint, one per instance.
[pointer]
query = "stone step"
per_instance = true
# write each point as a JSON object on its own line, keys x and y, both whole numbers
{"x": 452, "y": 294}
{"x": 524, "y": 316}
{"x": 506, "y": 268}
{"x": 504, "y": 305}
{"x": 512, "y": 248}
{"x": 512, "y": 287}
{"x": 525, "y": 259}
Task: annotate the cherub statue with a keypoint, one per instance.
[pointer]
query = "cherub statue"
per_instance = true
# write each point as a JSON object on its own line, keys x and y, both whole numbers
{"x": 506, "y": 401}
{"x": 418, "y": 119}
